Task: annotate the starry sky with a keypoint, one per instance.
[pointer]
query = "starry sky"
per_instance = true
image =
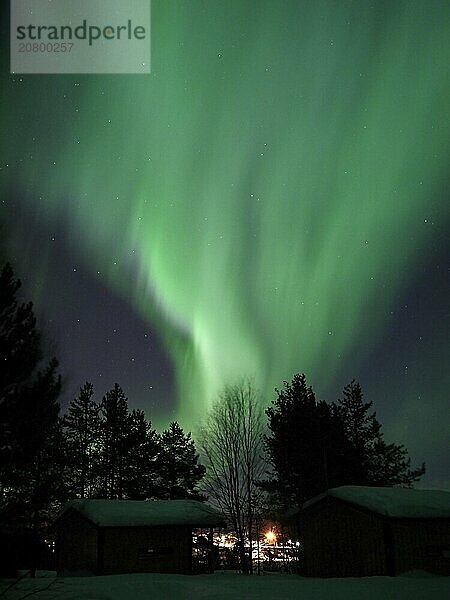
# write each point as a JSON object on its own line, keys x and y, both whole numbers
{"x": 271, "y": 199}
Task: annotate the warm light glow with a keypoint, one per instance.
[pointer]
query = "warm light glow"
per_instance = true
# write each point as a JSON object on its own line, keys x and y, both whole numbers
{"x": 270, "y": 537}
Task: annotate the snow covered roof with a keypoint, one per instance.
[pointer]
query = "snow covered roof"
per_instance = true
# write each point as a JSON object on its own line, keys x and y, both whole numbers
{"x": 133, "y": 513}
{"x": 392, "y": 502}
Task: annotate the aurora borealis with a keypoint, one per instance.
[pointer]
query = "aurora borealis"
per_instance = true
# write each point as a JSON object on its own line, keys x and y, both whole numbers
{"x": 271, "y": 199}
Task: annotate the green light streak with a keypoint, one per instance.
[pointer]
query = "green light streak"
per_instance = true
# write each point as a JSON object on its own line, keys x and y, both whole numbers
{"x": 268, "y": 184}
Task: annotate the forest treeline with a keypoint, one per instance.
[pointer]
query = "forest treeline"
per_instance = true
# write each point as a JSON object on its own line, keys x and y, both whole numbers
{"x": 112, "y": 452}
{"x": 248, "y": 461}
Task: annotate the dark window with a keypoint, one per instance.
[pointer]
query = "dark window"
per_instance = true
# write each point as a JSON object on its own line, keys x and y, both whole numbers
{"x": 438, "y": 551}
{"x": 156, "y": 551}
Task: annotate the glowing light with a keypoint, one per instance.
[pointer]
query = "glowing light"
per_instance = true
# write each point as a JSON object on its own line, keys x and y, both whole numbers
{"x": 270, "y": 536}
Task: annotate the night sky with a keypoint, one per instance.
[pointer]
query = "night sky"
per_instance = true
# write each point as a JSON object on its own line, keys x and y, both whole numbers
{"x": 271, "y": 199}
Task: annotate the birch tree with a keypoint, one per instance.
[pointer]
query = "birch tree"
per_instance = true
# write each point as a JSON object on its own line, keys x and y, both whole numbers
{"x": 230, "y": 444}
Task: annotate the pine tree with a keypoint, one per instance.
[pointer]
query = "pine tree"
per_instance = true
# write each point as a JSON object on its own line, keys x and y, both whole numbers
{"x": 374, "y": 462}
{"x": 294, "y": 444}
{"x": 37, "y": 454}
{"x": 29, "y": 424}
{"x": 313, "y": 446}
{"x": 141, "y": 459}
{"x": 306, "y": 446}
{"x": 361, "y": 429}
{"x": 113, "y": 436}
{"x": 19, "y": 338}
{"x": 179, "y": 469}
{"x": 19, "y": 356}
{"x": 81, "y": 426}
{"x": 37, "y": 433}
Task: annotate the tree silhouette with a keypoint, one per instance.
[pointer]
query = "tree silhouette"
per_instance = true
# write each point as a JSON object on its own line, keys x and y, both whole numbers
{"x": 178, "y": 467}
{"x": 19, "y": 339}
{"x": 82, "y": 429}
{"x": 306, "y": 444}
{"x": 19, "y": 356}
{"x": 231, "y": 446}
{"x": 30, "y": 433}
{"x": 374, "y": 462}
{"x": 38, "y": 454}
{"x": 141, "y": 458}
{"x": 116, "y": 454}
{"x": 313, "y": 446}
{"x": 113, "y": 437}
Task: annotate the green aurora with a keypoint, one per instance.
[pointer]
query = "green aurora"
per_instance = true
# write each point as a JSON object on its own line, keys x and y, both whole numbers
{"x": 268, "y": 189}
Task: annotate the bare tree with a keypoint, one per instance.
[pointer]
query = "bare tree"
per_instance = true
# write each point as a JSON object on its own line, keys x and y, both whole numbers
{"x": 230, "y": 443}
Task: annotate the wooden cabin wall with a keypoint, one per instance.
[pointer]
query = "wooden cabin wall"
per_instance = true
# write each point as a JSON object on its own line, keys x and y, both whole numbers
{"x": 422, "y": 544}
{"x": 340, "y": 541}
{"x": 146, "y": 549}
{"x": 76, "y": 545}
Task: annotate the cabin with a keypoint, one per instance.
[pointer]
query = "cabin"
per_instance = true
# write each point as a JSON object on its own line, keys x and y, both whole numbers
{"x": 101, "y": 537}
{"x": 357, "y": 531}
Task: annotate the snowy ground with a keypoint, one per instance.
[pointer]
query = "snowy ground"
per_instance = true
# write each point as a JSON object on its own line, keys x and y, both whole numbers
{"x": 414, "y": 586}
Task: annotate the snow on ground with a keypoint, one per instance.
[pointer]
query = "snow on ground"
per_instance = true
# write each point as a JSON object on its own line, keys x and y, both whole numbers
{"x": 225, "y": 585}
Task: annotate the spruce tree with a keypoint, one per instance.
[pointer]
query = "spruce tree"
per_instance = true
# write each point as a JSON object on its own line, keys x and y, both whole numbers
{"x": 113, "y": 437}
{"x": 306, "y": 445}
{"x": 179, "y": 469}
{"x": 19, "y": 356}
{"x": 36, "y": 483}
{"x": 141, "y": 458}
{"x": 38, "y": 456}
{"x": 19, "y": 339}
{"x": 81, "y": 426}
{"x": 30, "y": 434}
{"x": 313, "y": 445}
{"x": 374, "y": 462}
